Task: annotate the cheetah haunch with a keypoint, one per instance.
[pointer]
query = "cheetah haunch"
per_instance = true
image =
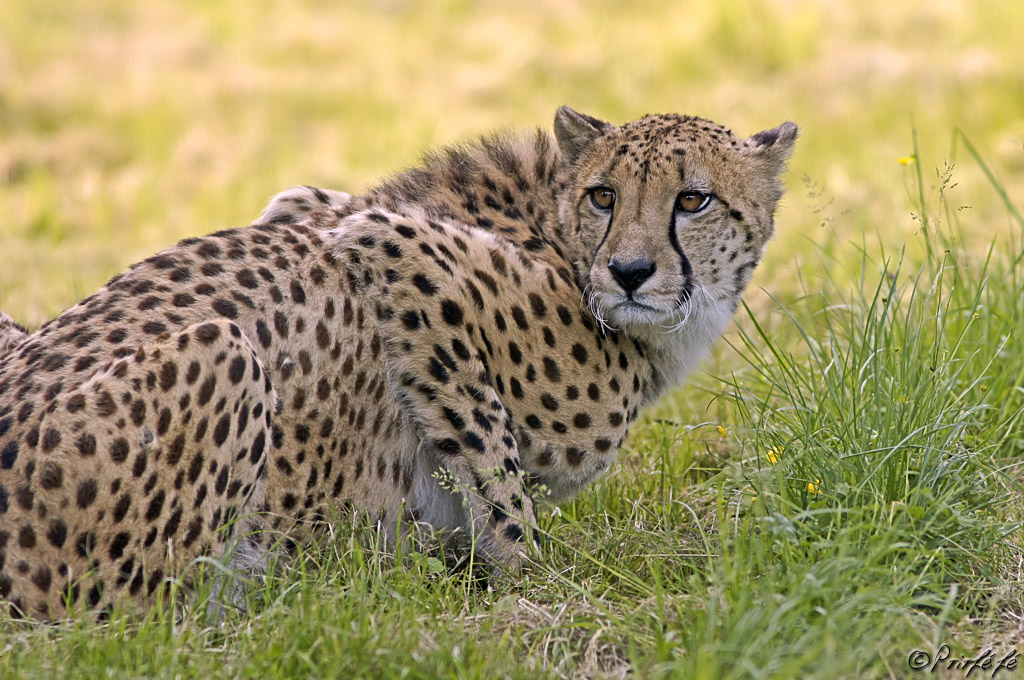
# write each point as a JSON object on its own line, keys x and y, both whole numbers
{"x": 500, "y": 313}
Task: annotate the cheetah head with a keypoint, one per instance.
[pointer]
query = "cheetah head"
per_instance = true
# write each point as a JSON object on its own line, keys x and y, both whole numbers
{"x": 666, "y": 217}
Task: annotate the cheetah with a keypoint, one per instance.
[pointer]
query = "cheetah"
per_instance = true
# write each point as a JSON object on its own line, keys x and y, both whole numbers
{"x": 470, "y": 337}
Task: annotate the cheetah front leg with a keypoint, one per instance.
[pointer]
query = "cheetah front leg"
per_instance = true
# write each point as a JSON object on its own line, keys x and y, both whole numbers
{"x": 466, "y": 431}
{"x": 439, "y": 372}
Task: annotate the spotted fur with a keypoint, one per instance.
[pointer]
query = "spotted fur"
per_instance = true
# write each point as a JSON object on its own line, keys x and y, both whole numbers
{"x": 11, "y": 333}
{"x": 444, "y": 349}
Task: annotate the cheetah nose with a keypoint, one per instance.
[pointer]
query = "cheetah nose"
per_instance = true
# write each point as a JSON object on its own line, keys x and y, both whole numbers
{"x": 632, "y": 274}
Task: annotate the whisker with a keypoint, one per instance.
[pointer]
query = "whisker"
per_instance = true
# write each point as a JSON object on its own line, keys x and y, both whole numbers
{"x": 591, "y": 301}
{"x": 689, "y": 310}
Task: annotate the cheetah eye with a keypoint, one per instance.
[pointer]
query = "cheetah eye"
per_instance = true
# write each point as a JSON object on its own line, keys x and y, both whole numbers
{"x": 692, "y": 201}
{"x": 603, "y": 198}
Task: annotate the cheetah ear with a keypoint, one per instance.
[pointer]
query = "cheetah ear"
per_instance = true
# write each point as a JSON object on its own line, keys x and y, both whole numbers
{"x": 576, "y": 131}
{"x": 775, "y": 146}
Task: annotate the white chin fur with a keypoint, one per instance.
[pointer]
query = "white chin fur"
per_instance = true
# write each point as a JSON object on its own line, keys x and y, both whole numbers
{"x": 628, "y": 317}
{"x": 621, "y": 313}
{"x": 679, "y": 338}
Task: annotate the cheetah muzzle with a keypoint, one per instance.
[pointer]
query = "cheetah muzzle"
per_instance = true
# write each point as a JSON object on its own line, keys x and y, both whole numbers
{"x": 470, "y": 335}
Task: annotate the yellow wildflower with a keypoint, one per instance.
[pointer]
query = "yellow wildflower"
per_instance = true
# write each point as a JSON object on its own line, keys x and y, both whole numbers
{"x": 814, "y": 488}
{"x": 773, "y": 454}
{"x": 722, "y": 432}
{"x": 907, "y": 160}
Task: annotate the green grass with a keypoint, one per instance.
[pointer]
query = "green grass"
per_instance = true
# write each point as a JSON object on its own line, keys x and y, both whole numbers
{"x": 839, "y": 487}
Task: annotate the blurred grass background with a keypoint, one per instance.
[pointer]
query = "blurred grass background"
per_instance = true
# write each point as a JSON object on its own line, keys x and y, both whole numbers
{"x": 127, "y": 125}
